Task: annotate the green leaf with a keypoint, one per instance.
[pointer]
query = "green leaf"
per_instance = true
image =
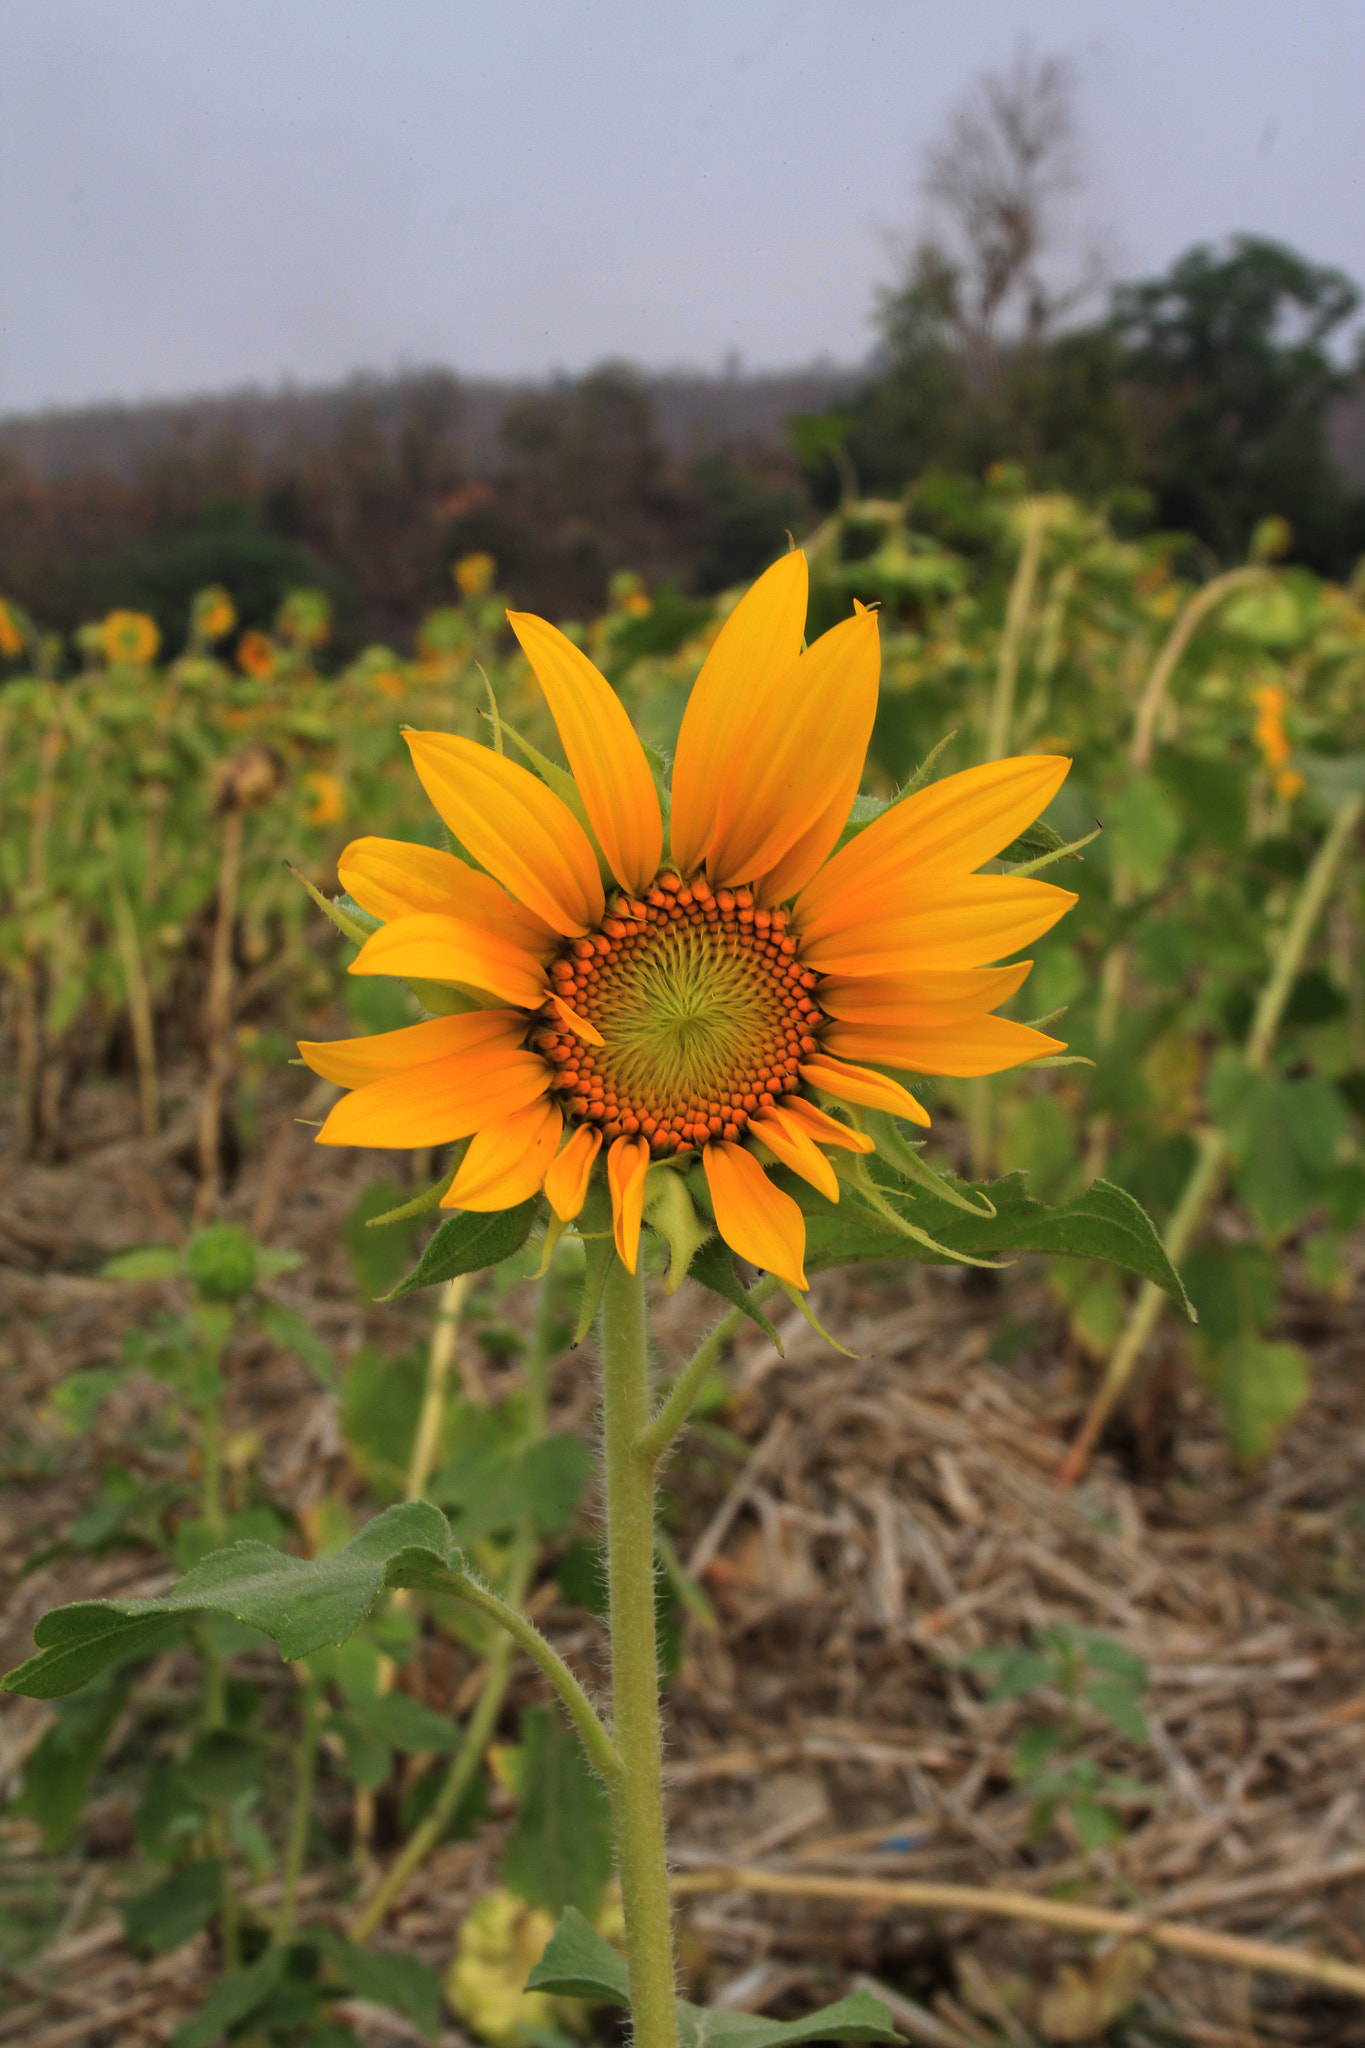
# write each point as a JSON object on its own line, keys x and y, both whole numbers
{"x": 1291, "y": 1133}
{"x": 231, "y": 2000}
{"x": 714, "y": 1266}
{"x": 1262, "y": 1387}
{"x": 468, "y": 1243}
{"x": 578, "y": 1962}
{"x": 859, "y": 2018}
{"x": 403, "y": 1982}
{"x": 1103, "y": 1223}
{"x": 176, "y": 1908}
{"x": 301, "y": 1604}
{"x": 598, "y": 1253}
{"x": 670, "y": 1210}
{"x": 57, "y": 1775}
{"x": 148, "y": 1262}
{"x": 350, "y": 920}
{"x": 561, "y": 1851}
{"x": 369, "y": 1759}
{"x": 287, "y": 1328}
{"x": 222, "y": 1766}
{"x": 554, "y": 1475}
{"x": 1145, "y": 827}
{"x": 379, "y": 1256}
{"x": 1118, "y": 1703}
{"x": 898, "y": 1151}
{"x": 408, "y": 1724}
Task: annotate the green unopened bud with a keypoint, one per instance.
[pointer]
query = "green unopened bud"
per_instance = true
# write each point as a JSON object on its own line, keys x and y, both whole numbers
{"x": 221, "y": 1261}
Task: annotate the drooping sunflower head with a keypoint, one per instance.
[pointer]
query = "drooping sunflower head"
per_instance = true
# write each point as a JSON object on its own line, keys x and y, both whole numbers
{"x": 643, "y": 974}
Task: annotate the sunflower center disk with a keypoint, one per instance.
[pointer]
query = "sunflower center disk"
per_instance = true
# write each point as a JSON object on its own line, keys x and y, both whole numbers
{"x": 703, "y": 1007}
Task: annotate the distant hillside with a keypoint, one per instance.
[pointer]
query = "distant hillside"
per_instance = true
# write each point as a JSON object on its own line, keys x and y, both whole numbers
{"x": 693, "y": 415}
{"x": 373, "y": 488}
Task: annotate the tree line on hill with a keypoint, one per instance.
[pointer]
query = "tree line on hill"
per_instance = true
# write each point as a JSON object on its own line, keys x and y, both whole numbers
{"x": 1199, "y": 401}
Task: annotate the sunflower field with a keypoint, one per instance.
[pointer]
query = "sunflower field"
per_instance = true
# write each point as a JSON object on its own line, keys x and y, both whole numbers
{"x": 1032, "y": 1572}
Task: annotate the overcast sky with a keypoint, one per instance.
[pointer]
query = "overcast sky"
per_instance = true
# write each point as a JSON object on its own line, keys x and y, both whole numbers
{"x": 200, "y": 194}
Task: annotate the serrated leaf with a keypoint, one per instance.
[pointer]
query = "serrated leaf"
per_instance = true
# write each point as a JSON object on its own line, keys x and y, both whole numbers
{"x": 469, "y": 1242}
{"x": 1103, "y": 1223}
{"x": 561, "y": 1851}
{"x": 714, "y": 1266}
{"x": 176, "y": 1908}
{"x": 301, "y": 1604}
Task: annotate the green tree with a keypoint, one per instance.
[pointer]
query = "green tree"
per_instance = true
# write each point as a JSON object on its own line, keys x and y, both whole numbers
{"x": 1228, "y": 358}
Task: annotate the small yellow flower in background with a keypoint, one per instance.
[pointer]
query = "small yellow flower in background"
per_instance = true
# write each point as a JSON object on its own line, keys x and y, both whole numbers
{"x": 711, "y": 1002}
{"x": 257, "y": 655}
{"x": 213, "y": 614}
{"x": 328, "y": 801}
{"x": 388, "y": 681}
{"x": 130, "y": 636}
{"x": 304, "y": 620}
{"x": 1273, "y": 740}
{"x": 11, "y": 638}
{"x": 474, "y": 574}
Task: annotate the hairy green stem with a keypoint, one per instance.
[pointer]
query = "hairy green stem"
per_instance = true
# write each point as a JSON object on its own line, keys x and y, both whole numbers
{"x": 637, "y": 1793}
{"x": 594, "y": 1737}
{"x": 296, "y": 1844}
{"x": 654, "y": 1442}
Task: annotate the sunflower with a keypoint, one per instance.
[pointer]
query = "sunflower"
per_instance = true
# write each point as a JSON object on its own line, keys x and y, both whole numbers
{"x": 736, "y": 997}
{"x": 130, "y": 637}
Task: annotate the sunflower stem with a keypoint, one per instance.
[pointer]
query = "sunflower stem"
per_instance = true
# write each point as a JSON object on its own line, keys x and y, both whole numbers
{"x": 637, "y": 1796}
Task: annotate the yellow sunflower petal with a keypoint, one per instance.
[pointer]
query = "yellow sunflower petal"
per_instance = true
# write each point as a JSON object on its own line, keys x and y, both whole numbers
{"x": 799, "y": 761}
{"x": 566, "y": 1183}
{"x": 938, "y": 996}
{"x": 867, "y": 1091}
{"x": 390, "y": 878}
{"x": 606, "y": 758}
{"x": 430, "y": 1105}
{"x": 351, "y": 1062}
{"x": 954, "y": 824}
{"x": 788, "y": 1140}
{"x": 627, "y": 1164}
{"x": 826, "y": 1130}
{"x": 429, "y": 947}
{"x": 579, "y": 1026}
{"x": 755, "y": 1218}
{"x": 507, "y": 1160}
{"x": 982, "y": 1045}
{"x": 515, "y": 827}
{"x": 961, "y": 921}
{"x": 757, "y": 644}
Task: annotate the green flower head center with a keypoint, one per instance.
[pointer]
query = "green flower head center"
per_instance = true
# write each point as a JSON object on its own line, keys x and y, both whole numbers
{"x": 704, "y": 1010}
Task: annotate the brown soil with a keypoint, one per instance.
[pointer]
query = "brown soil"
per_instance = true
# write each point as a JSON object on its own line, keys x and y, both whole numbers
{"x": 896, "y": 1509}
